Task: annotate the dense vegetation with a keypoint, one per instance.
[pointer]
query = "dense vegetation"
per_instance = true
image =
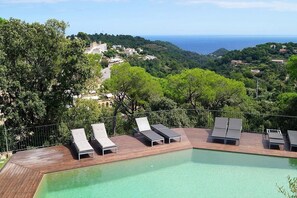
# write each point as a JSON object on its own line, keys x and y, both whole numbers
{"x": 170, "y": 59}
{"x": 42, "y": 70}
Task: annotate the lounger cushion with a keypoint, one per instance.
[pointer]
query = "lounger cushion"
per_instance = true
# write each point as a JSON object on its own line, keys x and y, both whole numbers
{"x": 152, "y": 135}
{"x": 233, "y": 134}
{"x": 165, "y": 131}
{"x": 235, "y": 124}
{"x": 143, "y": 124}
{"x": 99, "y": 131}
{"x": 79, "y": 135}
{"x": 106, "y": 143}
{"x": 83, "y": 146}
{"x": 219, "y": 132}
{"x": 292, "y": 137}
{"x": 221, "y": 122}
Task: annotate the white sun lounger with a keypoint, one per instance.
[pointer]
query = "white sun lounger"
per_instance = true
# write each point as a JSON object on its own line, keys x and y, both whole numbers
{"x": 81, "y": 143}
{"x": 147, "y": 132}
{"x": 101, "y": 136}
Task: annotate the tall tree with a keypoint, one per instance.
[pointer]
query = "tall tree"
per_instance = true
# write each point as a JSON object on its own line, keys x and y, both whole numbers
{"x": 132, "y": 88}
{"x": 40, "y": 71}
{"x": 203, "y": 88}
{"x": 292, "y": 66}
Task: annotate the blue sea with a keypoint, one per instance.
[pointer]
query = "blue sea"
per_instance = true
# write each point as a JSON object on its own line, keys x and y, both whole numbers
{"x": 209, "y": 44}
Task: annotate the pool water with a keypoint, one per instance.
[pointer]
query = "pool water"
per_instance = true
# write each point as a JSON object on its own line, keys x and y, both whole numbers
{"x": 188, "y": 173}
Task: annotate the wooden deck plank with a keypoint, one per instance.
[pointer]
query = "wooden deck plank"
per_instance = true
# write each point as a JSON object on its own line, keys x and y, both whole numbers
{"x": 23, "y": 173}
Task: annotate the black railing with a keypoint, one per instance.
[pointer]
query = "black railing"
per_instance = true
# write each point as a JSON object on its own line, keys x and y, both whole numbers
{"x": 48, "y": 135}
{"x": 28, "y": 138}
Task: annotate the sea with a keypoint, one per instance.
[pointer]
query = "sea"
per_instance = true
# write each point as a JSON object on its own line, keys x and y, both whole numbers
{"x": 208, "y": 44}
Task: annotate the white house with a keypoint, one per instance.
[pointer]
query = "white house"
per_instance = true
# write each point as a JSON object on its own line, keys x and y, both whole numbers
{"x": 96, "y": 48}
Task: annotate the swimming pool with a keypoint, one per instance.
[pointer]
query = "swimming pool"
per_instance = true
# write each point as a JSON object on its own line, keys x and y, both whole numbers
{"x": 188, "y": 173}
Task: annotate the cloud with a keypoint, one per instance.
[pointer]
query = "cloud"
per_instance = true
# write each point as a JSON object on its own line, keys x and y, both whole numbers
{"x": 244, "y": 4}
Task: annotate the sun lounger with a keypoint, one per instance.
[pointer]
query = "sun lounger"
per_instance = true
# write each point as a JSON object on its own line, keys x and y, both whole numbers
{"x": 274, "y": 134}
{"x": 275, "y": 137}
{"x": 278, "y": 142}
{"x": 81, "y": 143}
{"x": 234, "y": 130}
{"x": 166, "y": 132}
{"x": 101, "y": 137}
{"x": 220, "y": 128}
{"x": 292, "y": 135}
{"x": 147, "y": 132}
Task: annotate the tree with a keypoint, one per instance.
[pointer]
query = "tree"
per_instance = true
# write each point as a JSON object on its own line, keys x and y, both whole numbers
{"x": 94, "y": 63}
{"x": 132, "y": 88}
{"x": 292, "y": 186}
{"x": 292, "y": 66}
{"x": 40, "y": 71}
{"x": 204, "y": 89}
{"x": 81, "y": 115}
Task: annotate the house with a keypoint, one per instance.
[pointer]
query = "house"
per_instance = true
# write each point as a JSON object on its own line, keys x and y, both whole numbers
{"x": 149, "y": 57}
{"x": 130, "y": 51}
{"x": 278, "y": 61}
{"x": 96, "y": 48}
{"x": 115, "y": 60}
{"x": 116, "y": 47}
{"x": 236, "y": 62}
{"x": 255, "y": 71}
{"x": 283, "y": 50}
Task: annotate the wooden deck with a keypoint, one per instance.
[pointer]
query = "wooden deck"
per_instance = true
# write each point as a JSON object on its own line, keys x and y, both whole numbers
{"x": 23, "y": 173}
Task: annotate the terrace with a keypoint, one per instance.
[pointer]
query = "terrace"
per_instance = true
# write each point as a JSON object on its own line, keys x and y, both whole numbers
{"x": 23, "y": 173}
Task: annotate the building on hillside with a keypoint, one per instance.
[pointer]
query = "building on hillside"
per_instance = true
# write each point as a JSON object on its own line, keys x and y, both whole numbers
{"x": 96, "y": 48}
{"x": 272, "y": 46}
{"x": 149, "y": 57}
{"x": 115, "y": 60}
{"x": 130, "y": 51}
{"x": 277, "y": 61}
{"x": 283, "y": 51}
{"x": 236, "y": 62}
{"x": 255, "y": 71}
{"x": 116, "y": 47}
{"x": 106, "y": 100}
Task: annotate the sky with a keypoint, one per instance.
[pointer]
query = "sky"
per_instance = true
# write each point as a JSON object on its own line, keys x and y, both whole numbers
{"x": 161, "y": 17}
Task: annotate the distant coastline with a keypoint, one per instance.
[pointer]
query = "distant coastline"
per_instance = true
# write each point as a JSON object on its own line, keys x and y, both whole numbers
{"x": 204, "y": 44}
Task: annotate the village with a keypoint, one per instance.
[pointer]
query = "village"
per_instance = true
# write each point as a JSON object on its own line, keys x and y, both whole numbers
{"x": 121, "y": 52}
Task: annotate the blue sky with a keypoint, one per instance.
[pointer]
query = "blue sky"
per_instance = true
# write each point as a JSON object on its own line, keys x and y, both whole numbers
{"x": 161, "y": 17}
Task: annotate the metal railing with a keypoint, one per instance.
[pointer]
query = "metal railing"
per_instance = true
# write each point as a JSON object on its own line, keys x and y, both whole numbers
{"x": 17, "y": 139}
{"x": 48, "y": 135}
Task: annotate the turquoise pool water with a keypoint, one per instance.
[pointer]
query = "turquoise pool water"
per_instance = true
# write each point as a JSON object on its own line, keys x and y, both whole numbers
{"x": 188, "y": 173}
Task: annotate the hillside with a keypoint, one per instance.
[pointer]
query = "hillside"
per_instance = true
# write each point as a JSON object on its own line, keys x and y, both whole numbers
{"x": 170, "y": 58}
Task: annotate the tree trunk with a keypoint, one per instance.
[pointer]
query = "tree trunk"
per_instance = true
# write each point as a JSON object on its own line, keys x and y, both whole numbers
{"x": 114, "y": 121}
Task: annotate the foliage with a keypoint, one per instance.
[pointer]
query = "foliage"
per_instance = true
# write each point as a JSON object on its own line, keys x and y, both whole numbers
{"x": 170, "y": 58}
{"x": 132, "y": 88}
{"x": 204, "y": 89}
{"x": 110, "y": 53}
{"x": 292, "y": 66}
{"x": 292, "y": 186}
{"x": 287, "y": 103}
{"x": 40, "y": 71}
{"x": 82, "y": 115}
{"x": 93, "y": 82}
{"x": 3, "y": 162}
{"x": 165, "y": 111}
